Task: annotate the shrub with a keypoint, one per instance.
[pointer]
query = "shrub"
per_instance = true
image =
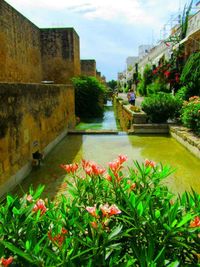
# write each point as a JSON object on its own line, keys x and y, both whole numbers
{"x": 156, "y": 87}
{"x": 89, "y": 97}
{"x": 190, "y": 76}
{"x": 182, "y": 93}
{"x": 111, "y": 219}
{"x": 190, "y": 114}
{"x": 160, "y": 107}
{"x": 146, "y": 79}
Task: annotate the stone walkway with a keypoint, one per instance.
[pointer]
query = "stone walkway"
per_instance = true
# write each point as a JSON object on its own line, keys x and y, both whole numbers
{"x": 138, "y": 100}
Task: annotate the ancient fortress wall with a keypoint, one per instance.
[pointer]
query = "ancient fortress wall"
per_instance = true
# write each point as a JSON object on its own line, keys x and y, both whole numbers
{"x": 29, "y": 54}
{"x": 32, "y": 116}
{"x": 88, "y": 67}
{"x": 60, "y": 54}
{"x": 20, "y": 55}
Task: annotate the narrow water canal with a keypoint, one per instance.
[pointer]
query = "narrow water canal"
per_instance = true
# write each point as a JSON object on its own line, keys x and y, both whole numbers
{"x": 105, "y": 148}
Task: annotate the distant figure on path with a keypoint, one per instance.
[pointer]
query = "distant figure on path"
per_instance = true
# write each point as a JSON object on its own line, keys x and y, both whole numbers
{"x": 131, "y": 97}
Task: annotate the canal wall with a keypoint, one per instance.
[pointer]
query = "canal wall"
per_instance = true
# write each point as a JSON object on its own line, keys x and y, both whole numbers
{"x": 133, "y": 123}
{"x": 33, "y": 118}
{"x": 184, "y": 136}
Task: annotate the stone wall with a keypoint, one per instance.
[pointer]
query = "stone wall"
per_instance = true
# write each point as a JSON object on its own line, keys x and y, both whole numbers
{"x": 187, "y": 138}
{"x": 127, "y": 118}
{"x": 32, "y": 116}
{"x": 60, "y": 54}
{"x": 20, "y": 57}
{"x": 29, "y": 54}
{"x": 88, "y": 67}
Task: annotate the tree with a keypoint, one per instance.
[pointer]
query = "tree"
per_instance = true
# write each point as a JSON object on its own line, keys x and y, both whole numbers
{"x": 112, "y": 84}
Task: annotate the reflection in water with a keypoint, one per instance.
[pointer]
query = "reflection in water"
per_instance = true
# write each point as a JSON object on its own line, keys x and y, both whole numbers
{"x": 108, "y": 122}
{"x": 105, "y": 148}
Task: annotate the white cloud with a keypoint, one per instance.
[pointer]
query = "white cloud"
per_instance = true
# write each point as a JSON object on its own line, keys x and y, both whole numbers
{"x": 137, "y": 12}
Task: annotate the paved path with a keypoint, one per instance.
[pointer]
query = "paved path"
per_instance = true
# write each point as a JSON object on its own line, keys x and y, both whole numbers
{"x": 138, "y": 101}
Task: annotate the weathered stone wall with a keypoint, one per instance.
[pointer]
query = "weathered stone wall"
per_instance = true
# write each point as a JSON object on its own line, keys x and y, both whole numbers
{"x": 60, "y": 54}
{"x": 20, "y": 57}
{"x": 187, "y": 138}
{"x": 31, "y": 117}
{"x": 88, "y": 67}
{"x": 29, "y": 54}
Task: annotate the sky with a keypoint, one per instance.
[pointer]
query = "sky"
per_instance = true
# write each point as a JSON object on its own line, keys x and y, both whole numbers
{"x": 109, "y": 30}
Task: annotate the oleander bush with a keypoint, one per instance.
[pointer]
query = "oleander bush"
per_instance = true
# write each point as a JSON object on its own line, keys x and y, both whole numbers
{"x": 111, "y": 218}
{"x": 190, "y": 114}
{"x": 160, "y": 107}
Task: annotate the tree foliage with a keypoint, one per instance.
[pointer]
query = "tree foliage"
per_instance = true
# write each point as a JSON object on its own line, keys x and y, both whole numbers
{"x": 89, "y": 94}
{"x": 190, "y": 76}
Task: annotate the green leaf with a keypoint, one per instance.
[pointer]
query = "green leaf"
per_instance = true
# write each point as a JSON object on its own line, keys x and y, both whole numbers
{"x": 10, "y": 200}
{"x": 140, "y": 208}
{"x": 185, "y": 219}
{"x": 27, "y": 244}
{"x": 173, "y": 264}
{"x": 115, "y": 232}
{"x": 16, "y": 211}
{"x": 157, "y": 214}
{"x": 39, "y": 191}
{"x": 16, "y": 250}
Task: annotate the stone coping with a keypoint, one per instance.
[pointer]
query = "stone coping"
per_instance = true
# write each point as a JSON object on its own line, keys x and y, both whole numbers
{"x": 93, "y": 131}
{"x": 187, "y": 138}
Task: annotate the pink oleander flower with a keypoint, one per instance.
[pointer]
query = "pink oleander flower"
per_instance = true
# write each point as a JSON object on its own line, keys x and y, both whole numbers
{"x": 122, "y": 158}
{"x": 114, "y": 165}
{"x": 91, "y": 168}
{"x": 29, "y": 198}
{"x": 59, "y": 238}
{"x": 6, "y": 262}
{"x": 94, "y": 225}
{"x": 108, "y": 177}
{"x": 40, "y": 205}
{"x": 196, "y": 222}
{"x": 109, "y": 211}
{"x": 150, "y": 163}
{"x": 70, "y": 168}
{"x": 114, "y": 210}
{"x": 132, "y": 185}
{"x": 92, "y": 211}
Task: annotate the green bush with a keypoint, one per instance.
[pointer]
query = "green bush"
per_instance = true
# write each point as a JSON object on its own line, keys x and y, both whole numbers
{"x": 182, "y": 93}
{"x": 110, "y": 219}
{"x": 190, "y": 76}
{"x": 190, "y": 114}
{"x": 89, "y": 97}
{"x": 146, "y": 79}
{"x": 160, "y": 107}
{"x": 156, "y": 87}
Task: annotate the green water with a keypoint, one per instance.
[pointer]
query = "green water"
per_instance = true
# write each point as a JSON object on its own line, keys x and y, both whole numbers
{"x": 108, "y": 122}
{"x": 105, "y": 148}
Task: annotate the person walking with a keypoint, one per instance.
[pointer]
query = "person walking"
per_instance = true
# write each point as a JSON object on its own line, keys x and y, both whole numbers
{"x": 131, "y": 97}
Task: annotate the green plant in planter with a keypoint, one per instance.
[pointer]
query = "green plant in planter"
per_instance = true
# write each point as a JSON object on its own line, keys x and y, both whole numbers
{"x": 160, "y": 107}
{"x": 190, "y": 114}
{"x": 113, "y": 218}
{"x": 135, "y": 109}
